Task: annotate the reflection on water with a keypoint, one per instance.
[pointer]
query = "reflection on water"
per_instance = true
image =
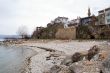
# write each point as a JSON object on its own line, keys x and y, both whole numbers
{"x": 12, "y": 59}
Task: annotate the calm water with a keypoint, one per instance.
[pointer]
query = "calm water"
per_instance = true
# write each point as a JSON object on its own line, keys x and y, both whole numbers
{"x": 12, "y": 59}
{"x": 1, "y": 39}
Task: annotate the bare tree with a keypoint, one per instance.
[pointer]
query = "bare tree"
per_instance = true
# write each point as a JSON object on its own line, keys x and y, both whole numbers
{"x": 23, "y": 31}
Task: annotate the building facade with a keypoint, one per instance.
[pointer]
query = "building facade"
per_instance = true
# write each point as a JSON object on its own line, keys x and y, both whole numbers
{"x": 107, "y": 16}
{"x": 101, "y": 17}
{"x": 62, "y": 20}
{"x": 86, "y": 20}
{"x": 104, "y": 16}
{"x": 74, "y": 22}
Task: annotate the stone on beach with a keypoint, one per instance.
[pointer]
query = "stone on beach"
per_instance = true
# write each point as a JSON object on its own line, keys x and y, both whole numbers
{"x": 77, "y": 57}
{"x": 93, "y": 51}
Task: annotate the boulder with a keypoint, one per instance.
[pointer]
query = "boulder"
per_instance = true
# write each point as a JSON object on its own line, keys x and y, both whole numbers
{"x": 92, "y": 52}
{"x": 76, "y": 68}
{"x": 72, "y": 59}
{"x": 77, "y": 57}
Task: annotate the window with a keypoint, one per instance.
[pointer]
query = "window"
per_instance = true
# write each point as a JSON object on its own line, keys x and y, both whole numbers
{"x": 108, "y": 14}
{"x": 108, "y": 20}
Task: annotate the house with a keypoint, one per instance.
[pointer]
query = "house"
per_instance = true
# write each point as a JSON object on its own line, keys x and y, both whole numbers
{"x": 62, "y": 20}
{"x": 90, "y": 20}
{"x": 74, "y": 22}
{"x": 101, "y": 17}
{"x": 86, "y": 20}
{"x": 107, "y": 16}
{"x": 104, "y": 16}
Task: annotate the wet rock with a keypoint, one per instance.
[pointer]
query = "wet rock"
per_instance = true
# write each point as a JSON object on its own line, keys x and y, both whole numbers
{"x": 92, "y": 52}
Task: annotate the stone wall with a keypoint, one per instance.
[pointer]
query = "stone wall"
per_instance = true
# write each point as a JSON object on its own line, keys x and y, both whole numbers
{"x": 66, "y": 33}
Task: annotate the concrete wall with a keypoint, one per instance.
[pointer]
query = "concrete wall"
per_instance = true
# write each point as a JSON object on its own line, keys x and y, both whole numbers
{"x": 66, "y": 33}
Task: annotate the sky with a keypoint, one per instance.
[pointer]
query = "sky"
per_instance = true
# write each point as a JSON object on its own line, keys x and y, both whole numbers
{"x": 33, "y": 13}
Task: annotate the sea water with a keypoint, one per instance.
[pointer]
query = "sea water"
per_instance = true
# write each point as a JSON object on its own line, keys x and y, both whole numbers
{"x": 12, "y": 59}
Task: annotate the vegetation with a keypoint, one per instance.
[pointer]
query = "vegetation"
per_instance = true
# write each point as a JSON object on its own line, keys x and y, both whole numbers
{"x": 23, "y": 32}
{"x": 49, "y": 31}
{"x": 83, "y": 32}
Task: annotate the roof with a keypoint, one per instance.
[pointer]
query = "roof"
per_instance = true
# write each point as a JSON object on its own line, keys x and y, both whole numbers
{"x": 101, "y": 11}
{"x": 107, "y": 9}
{"x": 86, "y": 17}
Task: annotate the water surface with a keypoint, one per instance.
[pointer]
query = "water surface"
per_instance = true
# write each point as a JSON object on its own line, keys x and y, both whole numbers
{"x": 13, "y": 59}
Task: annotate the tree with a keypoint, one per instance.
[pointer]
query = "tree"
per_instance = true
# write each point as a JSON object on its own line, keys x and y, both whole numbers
{"x": 23, "y": 31}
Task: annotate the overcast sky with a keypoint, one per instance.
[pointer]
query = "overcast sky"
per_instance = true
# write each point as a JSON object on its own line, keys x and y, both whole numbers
{"x": 33, "y": 13}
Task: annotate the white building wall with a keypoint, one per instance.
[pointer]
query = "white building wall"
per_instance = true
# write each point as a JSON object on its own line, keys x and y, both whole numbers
{"x": 107, "y": 17}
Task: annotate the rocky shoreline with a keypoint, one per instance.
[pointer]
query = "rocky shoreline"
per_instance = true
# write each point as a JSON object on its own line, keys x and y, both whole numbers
{"x": 58, "y": 56}
{"x": 54, "y": 60}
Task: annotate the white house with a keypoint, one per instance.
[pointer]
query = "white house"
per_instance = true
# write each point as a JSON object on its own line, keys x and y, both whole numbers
{"x": 107, "y": 16}
{"x": 104, "y": 16}
{"x": 63, "y": 20}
